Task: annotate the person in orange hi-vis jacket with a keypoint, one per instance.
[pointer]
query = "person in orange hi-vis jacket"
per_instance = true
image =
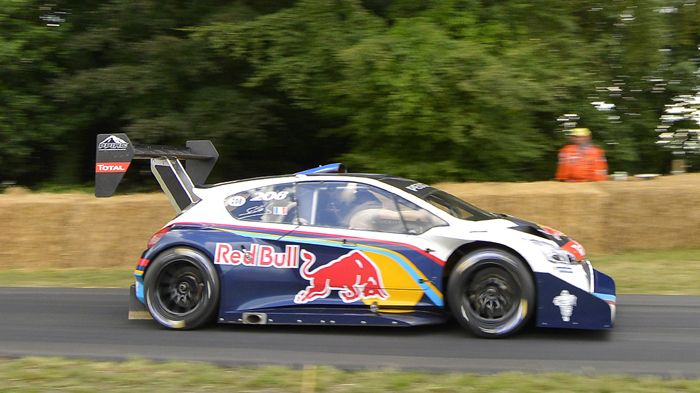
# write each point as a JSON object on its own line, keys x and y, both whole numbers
{"x": 581, "y": 160}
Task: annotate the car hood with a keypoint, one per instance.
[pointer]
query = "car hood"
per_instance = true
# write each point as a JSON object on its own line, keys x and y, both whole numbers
{"x": 545, "y": 232}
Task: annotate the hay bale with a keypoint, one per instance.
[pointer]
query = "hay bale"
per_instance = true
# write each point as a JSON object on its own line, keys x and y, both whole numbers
{"x": 37, "y": 227}
{"x": 17, "y": 190}
{"x": 576, "y": 209}
{"x": 71, "y": 230}
{"x": 79, "y": 230}
{"x": 117, "y": 228}
{"x": 660, "y": 213}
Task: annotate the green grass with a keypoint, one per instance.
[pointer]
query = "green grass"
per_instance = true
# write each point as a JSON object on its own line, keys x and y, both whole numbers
{"x": 662, "y": 272}
{"x": 68, "y": 277}
{"x": 35, "y": 374}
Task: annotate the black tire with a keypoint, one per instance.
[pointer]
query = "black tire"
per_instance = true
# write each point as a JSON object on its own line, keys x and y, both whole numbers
{"x": 182, "y": 289}
{"x": 491, "y": 293}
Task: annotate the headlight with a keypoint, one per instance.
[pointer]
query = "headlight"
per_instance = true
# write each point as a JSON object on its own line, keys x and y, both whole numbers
{"x": 555, "y": 254}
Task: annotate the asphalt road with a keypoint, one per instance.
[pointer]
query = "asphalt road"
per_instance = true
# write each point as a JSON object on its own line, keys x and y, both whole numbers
{"x": 654, "y": 334}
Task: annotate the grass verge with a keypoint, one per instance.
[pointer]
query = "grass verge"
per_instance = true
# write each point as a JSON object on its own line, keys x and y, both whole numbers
{"x": 74, "y": 277}
{"x": 34, "y": 374}
{"x": 661, "y": 272}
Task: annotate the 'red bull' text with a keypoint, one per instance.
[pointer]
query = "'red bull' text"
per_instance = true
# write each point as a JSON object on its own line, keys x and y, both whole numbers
{"x": 258, "y": 255}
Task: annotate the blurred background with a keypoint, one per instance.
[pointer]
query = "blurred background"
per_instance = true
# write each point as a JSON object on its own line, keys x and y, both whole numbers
{"x": 449, "y": 90}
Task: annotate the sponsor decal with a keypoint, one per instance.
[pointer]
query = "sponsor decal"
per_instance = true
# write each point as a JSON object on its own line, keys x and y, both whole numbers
{"x": 566, "y": 303}
{"x": 417, "y": 187}
{"x": 269, "y": 196}
{"x": 572, "y": 246}
{"x": 552, "y": 232}
{"x": 235, "y": 201}
{"x": 354, "y": 275}
{"x": 111, "y": 167}
{"x": 253, "y": 211}
{"x": 279, "y": 210}
{"x": 576, "y": 249}
{"x": 113, "y": 143}
{"x": 259, "y": 256}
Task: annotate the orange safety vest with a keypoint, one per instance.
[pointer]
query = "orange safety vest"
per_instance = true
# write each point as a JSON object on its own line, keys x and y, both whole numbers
{"x": 582, "y": 164}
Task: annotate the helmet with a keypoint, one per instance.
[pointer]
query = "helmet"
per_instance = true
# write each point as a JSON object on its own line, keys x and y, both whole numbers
{"x": 580, "y": 132}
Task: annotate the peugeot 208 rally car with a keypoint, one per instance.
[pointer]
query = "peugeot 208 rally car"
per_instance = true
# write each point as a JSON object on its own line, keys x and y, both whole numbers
{"x": 324, "y": 247}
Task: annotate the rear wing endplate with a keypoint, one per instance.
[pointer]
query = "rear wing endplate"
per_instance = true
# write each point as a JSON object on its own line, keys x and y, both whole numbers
{"x": 115, "y": 152}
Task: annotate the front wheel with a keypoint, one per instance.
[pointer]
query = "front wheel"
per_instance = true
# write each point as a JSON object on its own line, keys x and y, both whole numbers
{"x": 182, "y": 289}
{"x": 491, "y": 293}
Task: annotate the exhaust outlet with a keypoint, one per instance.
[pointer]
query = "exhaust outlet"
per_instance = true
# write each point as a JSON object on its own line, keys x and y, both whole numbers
{"x": 254, "y": 318}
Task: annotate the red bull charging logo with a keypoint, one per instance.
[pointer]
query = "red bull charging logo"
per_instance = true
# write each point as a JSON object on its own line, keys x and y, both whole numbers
{"x": 353, "y": 275}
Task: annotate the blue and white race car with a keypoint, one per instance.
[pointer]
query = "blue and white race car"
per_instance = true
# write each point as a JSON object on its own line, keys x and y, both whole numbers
{"x": 325, "y": 247}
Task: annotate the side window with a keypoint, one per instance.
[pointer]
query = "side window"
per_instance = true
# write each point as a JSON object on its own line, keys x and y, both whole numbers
{"x": 416, "y": 219}
{"x": 439, "y": 203}
{"x": 350, "y": 205}
{"x": 324, "y": 204}
{"x": 272, "y": 204}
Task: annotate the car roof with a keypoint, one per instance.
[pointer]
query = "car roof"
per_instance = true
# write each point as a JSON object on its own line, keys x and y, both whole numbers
{"x": 393, "y": 181}
{"x": 242, "y": 181}
{"x": 375, "y": 176}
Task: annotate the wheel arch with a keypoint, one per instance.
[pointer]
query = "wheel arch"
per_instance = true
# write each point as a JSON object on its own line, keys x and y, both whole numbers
{"x": 152, "y": 254}
{"x": 206, "y": 307}
{"x": 467, "y": 248}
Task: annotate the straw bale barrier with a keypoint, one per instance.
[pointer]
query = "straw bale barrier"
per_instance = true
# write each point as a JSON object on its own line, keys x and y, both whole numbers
{"x": 73, "y": 230}
{"x": 605, "y": 217}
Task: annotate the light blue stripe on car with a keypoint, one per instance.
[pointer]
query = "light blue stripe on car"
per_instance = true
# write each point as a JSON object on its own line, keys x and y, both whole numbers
{"x": 606, "y": 297}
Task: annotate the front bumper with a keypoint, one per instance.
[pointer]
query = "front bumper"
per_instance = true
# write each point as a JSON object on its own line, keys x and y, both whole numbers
{"x": 562, "y": 305}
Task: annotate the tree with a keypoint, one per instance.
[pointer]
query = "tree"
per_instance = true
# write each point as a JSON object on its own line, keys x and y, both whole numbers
{"x": 443, "y": 91}
{"x": 437, "y": 90}
{"x": 28, "y": 127}
{"x": 142, "y": 71}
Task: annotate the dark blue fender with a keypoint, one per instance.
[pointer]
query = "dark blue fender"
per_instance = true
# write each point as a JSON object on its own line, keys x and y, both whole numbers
{"x": 172, "y": 238}
{"x": 562, "y": 305}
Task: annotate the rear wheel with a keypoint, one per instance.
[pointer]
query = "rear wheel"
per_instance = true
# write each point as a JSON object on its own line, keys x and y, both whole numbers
{"x": 182, "y": 289}
{"x": 491, "y": 293}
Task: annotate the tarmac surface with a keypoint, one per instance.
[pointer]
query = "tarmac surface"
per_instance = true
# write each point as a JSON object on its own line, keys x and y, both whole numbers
{"x": 653, "y": 335}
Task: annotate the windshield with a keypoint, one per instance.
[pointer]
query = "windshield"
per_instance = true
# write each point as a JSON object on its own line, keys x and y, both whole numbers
{"x": 457, "y": 207}
{"x": 440, "y": 199}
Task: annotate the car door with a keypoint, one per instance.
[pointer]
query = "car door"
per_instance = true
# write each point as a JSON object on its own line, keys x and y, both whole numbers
{"x": 359, "y": 247}
{"x": 256, "y": 267}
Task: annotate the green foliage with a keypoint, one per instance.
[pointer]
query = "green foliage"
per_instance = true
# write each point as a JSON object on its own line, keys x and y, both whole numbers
{"x": 147, "y": 78}
{"x": 467, "y": 89}
{"x": 27, "y": 65}
{"x": 436, "y": 90}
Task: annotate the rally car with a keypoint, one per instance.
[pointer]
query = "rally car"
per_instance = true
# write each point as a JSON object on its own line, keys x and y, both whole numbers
{"x": 326, "y": 247}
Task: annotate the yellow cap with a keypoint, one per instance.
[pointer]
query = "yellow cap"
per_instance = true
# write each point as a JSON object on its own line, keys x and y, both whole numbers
{"x": 580, "y": 132}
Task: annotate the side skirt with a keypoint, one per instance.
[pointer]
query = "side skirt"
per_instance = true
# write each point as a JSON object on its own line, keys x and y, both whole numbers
{"x": 327, "y": 316}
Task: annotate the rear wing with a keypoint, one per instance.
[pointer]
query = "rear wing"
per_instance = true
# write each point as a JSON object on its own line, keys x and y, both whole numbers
{"x": 115, "y": 152}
